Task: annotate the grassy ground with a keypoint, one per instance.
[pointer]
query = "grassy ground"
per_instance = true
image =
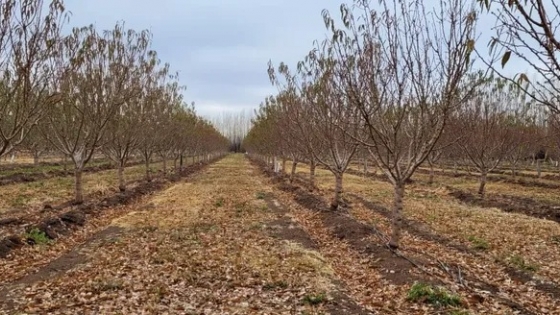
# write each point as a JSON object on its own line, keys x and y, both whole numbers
{"x": 201, "y": 248}
{"x": 499, "y": 234}
{"x": 205, "y": 246}
{"x": 59, "y": 189}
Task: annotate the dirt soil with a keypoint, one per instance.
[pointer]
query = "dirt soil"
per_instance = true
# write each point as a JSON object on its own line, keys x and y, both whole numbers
{"x": 344, "y": 227}
{"x": 285, "y": 228}
{"x": 535, "y": 208}
{"x": 213, "y": 245}
{"x": 356, "y": 234}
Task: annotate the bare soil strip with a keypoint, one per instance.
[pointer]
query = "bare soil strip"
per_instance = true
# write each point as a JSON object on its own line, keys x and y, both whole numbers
{"x": 485, "y": 290}
{"x": 62, "y": 219}
{"x": 220, "y": 243}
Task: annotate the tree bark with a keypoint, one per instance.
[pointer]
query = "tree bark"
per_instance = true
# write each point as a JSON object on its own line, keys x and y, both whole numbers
{"x": 120, "y": 173}
{"x": 312, "y": 167}
{"x": 293, "y": 172}
{"x": 397, "y": 220}
{"x": 483, "y": 178}
{"x": 78, "y": 188}
{"x": 65, "y": 162}
{"x": 513, "y": 171}
{"x": 431, "y": 178}
{"x": 335, "y": 203}
{"x": 455, "y": 171}
{"x": 284, "y": 165}
{"x": 539, "y": 168}
{"x": 164, "y": 166}
{"x": 365, "y": 167}
{"x": 35, "y": 158}
{"x": 148, "y": 172}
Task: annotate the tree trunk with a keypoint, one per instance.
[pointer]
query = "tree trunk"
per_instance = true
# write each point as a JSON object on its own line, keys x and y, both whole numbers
{"x": 120, "y": 173}
{"x": 65, "y": 162}
{"x": 539, "y": 168}
{"x": 181, "y": 162}
{"x": 431, "y": 178}
{"x": 312, "y": 167}
{"x": 513, "y": 170}
{"x": 35, "y": 158}
{"x": 337, "y": 191}
{"x": 193, "y": 162}
{"x": 293, "y": 172}
{"x": 175, "y": 164}
{"x": 148, "y": 172}
{"x": 365, "y": 167}
{"x": 284, "y": 165}
{"x": 397, "y": 220}
{"x": 164, "y": 166}
{"x": 78, "y": 189}
{"x": 455, "y": 170}
{"x": 483, "y": 178}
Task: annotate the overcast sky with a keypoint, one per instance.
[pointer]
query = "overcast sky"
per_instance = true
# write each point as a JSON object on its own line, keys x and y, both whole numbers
{"x": 220, "y": 47}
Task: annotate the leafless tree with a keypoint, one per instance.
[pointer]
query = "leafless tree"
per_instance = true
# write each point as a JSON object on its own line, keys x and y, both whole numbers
{"x": 104, "y": 78}
{"x": 29, "y": 30}
{"x": 403, "y": 69}
{"x": 330, "y": 123}
{"x": 486, "y": 122}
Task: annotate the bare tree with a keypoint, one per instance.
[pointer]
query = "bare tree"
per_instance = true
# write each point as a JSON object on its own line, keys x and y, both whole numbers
{"x": 103, "y": 80}
{"x": 402, "y": 68}
{"x": 121, "y": 137}
{"x": 28, "y": 32}
{"x": 486, "y": 122}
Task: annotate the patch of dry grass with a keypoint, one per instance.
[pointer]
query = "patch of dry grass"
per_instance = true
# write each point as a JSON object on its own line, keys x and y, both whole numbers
{"x": 507, "y": 234}
{"x": 58, "y": 189}
{"x": 184, "y": 252}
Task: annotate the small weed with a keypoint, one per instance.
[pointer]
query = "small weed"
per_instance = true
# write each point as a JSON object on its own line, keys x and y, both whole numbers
{"x": 421, "y": 292}
{"x": 275, "y": 285}
{"x": 241, "y": 207}
{"x": 219, "y": 202}
{"x": 459, "y": 312}
{"x": 315, "y": 299}
{"x": 520, "y": 263}
{"x": 478, "y": 243}
{"x": 260, "y": 195}
{"x": 555, "y": 239}
{"x": 37, "y": 237}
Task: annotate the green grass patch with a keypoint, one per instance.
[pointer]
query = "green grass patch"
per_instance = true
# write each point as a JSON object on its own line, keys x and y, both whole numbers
{"x": 37, "y": 237}
{"x": 219, "y": 202}
{"x": 434, "y": 295}
{"x": 520, "y": 263}
{"x": 478, "y": 243}
{"x": 315, "y": 299}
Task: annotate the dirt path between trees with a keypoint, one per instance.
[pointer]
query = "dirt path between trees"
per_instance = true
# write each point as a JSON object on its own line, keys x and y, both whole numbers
{"x": 217, "y": 243}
